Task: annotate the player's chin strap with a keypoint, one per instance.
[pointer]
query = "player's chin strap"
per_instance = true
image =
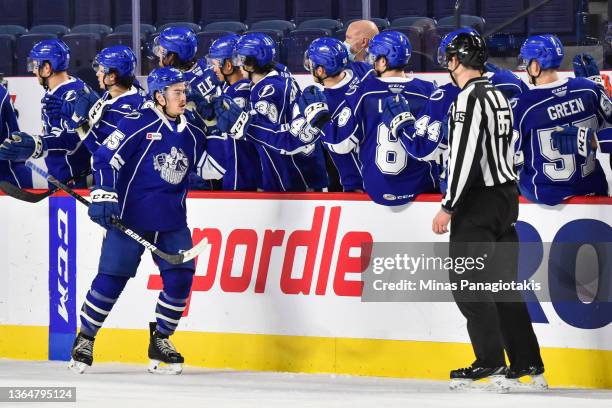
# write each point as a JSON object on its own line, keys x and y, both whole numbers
{"x": 532, "y": 77}
{"x": 45, "y": 80}
{"x": 107, "y": 87}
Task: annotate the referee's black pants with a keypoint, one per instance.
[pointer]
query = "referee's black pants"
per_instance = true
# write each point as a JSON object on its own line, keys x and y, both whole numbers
{"x": 484, "y": 223}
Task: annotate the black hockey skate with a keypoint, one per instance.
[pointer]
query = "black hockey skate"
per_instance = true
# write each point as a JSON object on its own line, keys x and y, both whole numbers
{"x": 82, "y": 353}
{"x": 536, "y": 382}
{"x": 164, "y": 359}
{"x": 469, "y": 378}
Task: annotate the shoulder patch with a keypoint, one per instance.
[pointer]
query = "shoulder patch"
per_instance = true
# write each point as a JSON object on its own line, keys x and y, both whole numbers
{"x": 243, "y": 86}
{"x": 69, "y": 95}
{"x": 265, "y": 91}
{"x": 437, "y": 95}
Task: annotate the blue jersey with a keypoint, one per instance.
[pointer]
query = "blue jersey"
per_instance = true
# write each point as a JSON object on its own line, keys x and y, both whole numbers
{"x": 274, "y": 109}
{"x": 192, "y": 75}
{"x": 66, "y": 155}
{"x": 360, "y": 69}
{"x": 197, "y": 76}
{"x": 14, "y": 172}
{"x": 390, "y": 176}
{"x": 241, "y": 157}
{"x": 507, "y": 82}
{"x": 604, "y": 140}
{"x": 547, "y": 176}
{"x": 147, "y": 159}
{"x": 348, "y": 165}
{"x": 427, "y": 138}
{"x": 107, "y": 113}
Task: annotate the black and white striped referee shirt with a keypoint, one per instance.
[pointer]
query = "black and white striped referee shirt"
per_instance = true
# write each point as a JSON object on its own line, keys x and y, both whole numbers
{"x": 481, "y": 141}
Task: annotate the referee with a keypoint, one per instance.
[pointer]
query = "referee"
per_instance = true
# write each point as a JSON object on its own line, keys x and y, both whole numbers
{"x": 482, "y": 202}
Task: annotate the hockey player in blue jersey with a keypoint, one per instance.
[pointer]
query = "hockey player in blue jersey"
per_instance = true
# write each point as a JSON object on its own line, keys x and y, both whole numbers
{"x": 241, "y": 157}
{"x": 327, "y": 60}
{"x": 391, "y": 177}
{"x": 64, "y": 155}
{"x": 582, "y": 140}
{"x": 548, "y": 176}
{"x": 271, "y": 121}
{"x": 141, "y": 177}
{"x": 114, "y": 67}
{"x": 425, "y": 136}
{"x": 176, "y": 47}
{"x": 13, "y": 172}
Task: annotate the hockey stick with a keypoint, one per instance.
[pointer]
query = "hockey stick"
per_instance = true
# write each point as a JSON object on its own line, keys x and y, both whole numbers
{"x": 12, "y": 190}
{"x": 176, "y": 259}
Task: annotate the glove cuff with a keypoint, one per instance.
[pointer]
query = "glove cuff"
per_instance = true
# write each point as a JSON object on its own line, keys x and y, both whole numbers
{"x": 399, "y": 121}
{"x": 597, "y": 79}
{"x": 99, "y": 195}
{"x": 39, "y": 147}
{"x": 584, "y": 141}
{"x": 239, "y": 127}
{"x": 314, "y": 109}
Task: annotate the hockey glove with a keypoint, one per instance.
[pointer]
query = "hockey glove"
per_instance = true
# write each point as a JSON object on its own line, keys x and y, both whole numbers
{"x": 52, "y": 105}
{"x": 396, "y": 114}
{"x": 230, "y": 117}
{"x": 573, "y": 140}
{"x": 313, "y": 106}
{"x": 76, "y": 112}
{"x": 104, "y": 206}
{"x": 203, "y": 89}
{"x": 492, "y": 68}
{"x": 585, "y": 66}
{"x": 22, "y": 146}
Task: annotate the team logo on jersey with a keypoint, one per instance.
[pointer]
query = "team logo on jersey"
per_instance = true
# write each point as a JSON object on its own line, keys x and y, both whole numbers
{"x": 266, "y": 91}
{"x": 172, "y": 166}
{"x": 560, "y": 92}
{"x": 344, "y": 116}
{"x": 154, "y": 136}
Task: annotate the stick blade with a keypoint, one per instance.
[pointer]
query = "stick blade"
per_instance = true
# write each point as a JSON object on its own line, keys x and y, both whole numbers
{"x": 195, "y": 251}
{"x": 15, "y": 192}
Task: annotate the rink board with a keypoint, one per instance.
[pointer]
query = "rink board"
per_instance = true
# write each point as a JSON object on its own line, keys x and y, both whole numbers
{"x": 253, "y": 309}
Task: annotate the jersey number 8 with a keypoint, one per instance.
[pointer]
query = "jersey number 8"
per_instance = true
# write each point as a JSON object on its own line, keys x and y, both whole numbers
{"x": 391, "y": 158}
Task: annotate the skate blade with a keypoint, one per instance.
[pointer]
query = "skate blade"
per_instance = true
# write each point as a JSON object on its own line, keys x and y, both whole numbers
{"x": 77, "y": 366}
{"x": 537, "y": 384}
{"x": 493, "y": 383}
{"x": 159, "y": 367}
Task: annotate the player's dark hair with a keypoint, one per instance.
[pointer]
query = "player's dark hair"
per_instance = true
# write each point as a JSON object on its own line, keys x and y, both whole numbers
{"x": 175, "y": 62}
{"x": 262, "y": 70}
{"x": 122, "y": 81}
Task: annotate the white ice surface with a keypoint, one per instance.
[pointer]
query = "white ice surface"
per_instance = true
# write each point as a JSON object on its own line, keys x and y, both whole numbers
{"x": 119, "y": 385}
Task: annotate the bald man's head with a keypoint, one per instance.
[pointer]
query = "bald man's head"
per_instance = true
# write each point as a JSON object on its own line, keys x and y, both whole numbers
{"x": 358, "y": 35}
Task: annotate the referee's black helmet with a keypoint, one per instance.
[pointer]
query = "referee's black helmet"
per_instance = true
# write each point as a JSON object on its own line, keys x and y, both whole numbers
{"x": 469, "y": 47}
